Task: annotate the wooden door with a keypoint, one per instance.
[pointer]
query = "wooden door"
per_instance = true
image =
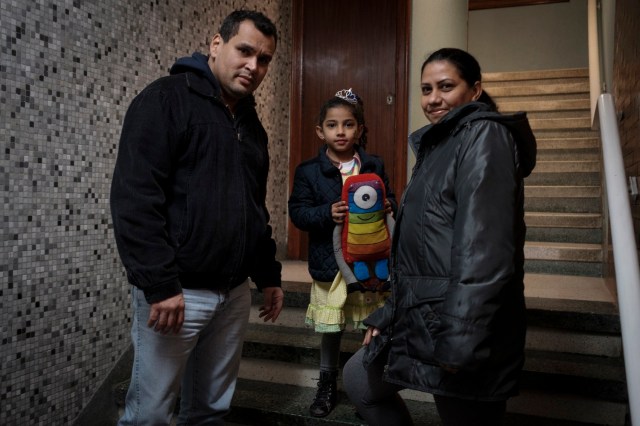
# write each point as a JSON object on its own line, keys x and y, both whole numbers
{"x": 342, "y": 44}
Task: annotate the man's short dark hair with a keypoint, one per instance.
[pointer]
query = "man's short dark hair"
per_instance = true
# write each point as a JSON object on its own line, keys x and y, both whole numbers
{"x": 231, "y": 23}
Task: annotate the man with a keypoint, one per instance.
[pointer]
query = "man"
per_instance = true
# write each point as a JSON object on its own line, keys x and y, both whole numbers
{"x": 191, "y": 225}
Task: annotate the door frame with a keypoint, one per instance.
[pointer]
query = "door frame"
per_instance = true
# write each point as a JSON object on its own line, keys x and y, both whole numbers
{"x": 403, "y": 37}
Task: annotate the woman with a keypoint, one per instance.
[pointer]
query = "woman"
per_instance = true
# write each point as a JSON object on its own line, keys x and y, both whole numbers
{"x": 455, "y": 323}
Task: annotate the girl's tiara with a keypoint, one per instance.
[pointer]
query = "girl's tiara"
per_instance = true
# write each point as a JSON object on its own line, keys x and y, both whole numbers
{"x": 347, "y": 95}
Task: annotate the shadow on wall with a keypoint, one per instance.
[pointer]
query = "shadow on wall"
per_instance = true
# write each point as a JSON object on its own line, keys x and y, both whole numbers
{"x": 102, "y": 409}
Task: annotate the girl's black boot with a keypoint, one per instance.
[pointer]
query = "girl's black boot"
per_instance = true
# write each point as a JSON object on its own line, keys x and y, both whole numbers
{"x": 326, "y": 395}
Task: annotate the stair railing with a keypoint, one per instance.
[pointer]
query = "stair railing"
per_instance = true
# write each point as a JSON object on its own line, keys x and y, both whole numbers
{"x": 625, "y": 254}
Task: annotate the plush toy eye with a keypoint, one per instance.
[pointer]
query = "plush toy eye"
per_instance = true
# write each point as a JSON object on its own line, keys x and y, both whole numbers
{"x": 365, "y": 197}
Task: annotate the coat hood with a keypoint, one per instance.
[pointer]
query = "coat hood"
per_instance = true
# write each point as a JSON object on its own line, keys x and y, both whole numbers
{"x": 197, "y": 63}
{"x": 517, "y": 123}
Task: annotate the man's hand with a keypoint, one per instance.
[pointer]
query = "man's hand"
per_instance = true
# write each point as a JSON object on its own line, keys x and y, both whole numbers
{"x": 273, "y": 301}
{"x": 167, "y": 315}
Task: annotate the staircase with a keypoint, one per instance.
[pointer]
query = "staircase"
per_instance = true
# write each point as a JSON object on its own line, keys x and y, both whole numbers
{"x": 563, "y": 195}
{"x": 574, "y": 374}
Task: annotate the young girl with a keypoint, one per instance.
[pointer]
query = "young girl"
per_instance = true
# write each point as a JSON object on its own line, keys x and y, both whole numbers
{"x": 315, "y": 207}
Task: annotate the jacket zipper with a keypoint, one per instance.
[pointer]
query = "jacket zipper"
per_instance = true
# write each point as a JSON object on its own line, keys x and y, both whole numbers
{"x": 234, "y": 272}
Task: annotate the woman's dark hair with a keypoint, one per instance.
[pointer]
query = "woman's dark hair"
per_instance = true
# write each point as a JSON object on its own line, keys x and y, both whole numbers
{"x": 231, "y": 23}
{"x": 467, "y": 66}
{"x": 357, "y": 109}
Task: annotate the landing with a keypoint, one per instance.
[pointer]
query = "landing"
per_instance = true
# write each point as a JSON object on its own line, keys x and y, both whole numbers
{"x": 543, "y": 286}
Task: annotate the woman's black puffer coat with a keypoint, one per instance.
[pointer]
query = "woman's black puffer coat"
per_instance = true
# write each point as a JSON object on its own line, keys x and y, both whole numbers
{"x": 316, "y": 186}
{"x": 457, "y": 260}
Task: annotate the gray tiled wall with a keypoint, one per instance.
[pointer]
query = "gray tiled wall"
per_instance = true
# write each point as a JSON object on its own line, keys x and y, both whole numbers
{"x": 68, "y": 70}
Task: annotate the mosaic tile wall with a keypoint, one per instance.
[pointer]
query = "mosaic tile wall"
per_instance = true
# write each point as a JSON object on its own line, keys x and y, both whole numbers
{"x": 68, "y": 71}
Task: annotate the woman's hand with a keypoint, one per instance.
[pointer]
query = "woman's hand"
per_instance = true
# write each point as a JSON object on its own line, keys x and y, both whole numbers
{"x": 369, "y": 334}
{"x": 339, "y": 211}
{"x": 449, "y": 369}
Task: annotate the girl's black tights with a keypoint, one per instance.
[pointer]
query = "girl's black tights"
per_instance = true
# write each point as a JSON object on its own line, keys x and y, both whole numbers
{"x": 330, "y": 352}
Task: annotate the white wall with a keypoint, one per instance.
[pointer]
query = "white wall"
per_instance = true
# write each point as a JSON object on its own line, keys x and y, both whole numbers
{"x": 434, "y": 24}
{"x": 547, "y": 36}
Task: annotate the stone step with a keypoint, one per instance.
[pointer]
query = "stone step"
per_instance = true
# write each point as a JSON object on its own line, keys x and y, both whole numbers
{"x": 573, "y": 252}
{"x": 565, "y": 173}
{"x": 573, "y": 374}
{"x": 290, "y": 339}
{"x": 572, "y": 301}
{"x": 568, "y": 143}
{"x": 581, "y": 133}
{"x": 563, "y": 220}
{"x": 578, "y": 154}
{"x": 263, "y": 403}
{"x": 557, "y": 105}
{"x": 558, "y": 115}
{"x": 568, "y": 199}
{"x": 573, "y": 371}
{"x": 563, "y": 258}
{"x": 566, "y": 149}
{"x": 563, "y": 407}
{"x": 562, "y": 191}
{"x": 559, "y": 123}
{"x": 580, "y": 366}
{"x": 564, "y": 235}
{"x": 560, "y": 267}
{"x": 276, "y": 404}
{"x": 264, "y": 396}
{"x": 534, "y": 96}
{"x": 564, "y": 227}
{"x": 548, "y": 166}
{"x": 535, "y": 76}
{"x": 564, "y": 370}
{"x": 514, "y": 90}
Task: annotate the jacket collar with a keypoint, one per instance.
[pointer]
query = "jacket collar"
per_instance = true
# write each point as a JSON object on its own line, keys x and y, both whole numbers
{"x": 516, "y": 123}
{"x": 329, "y": 169}
{"x": 209, "y": 87}
{"x": 432, "y": 133}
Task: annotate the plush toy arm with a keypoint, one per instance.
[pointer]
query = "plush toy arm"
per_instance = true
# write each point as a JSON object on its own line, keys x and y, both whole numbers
{"x": 391, "y": 223}
{"x": 347, "y": 273}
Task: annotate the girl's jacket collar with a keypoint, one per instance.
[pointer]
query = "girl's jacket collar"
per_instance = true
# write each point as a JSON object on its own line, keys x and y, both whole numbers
{"x": 329, "y": 169}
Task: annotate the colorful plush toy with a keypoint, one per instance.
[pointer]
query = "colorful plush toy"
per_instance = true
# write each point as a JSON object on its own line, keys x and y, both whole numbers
{"x": 363, "y": 244}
